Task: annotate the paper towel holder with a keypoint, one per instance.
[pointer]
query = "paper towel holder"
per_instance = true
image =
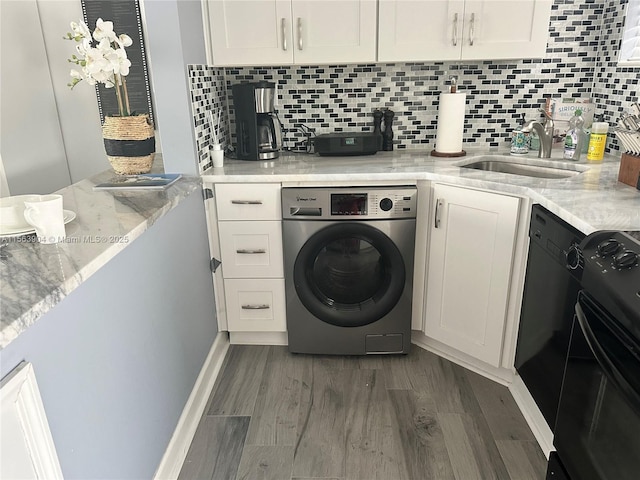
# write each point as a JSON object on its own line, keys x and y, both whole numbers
{"x": 451, "y": 88}
{"x": 461, "y": 153}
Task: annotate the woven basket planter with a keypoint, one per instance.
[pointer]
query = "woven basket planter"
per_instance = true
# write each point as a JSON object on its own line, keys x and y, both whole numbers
{"x": 130, "y": 143}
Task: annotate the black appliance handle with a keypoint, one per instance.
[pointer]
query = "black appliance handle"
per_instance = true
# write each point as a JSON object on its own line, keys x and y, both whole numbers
{"x": 612, "y": 372}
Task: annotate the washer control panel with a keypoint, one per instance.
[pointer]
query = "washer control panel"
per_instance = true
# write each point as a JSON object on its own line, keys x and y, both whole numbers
{"x": 348, "y": 203}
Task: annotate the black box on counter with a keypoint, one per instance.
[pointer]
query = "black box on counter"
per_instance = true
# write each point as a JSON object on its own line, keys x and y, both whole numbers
{"x": 347, "y": 143}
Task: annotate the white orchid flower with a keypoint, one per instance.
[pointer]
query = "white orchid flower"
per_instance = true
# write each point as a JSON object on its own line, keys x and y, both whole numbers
{"x": 83, "y": 47}
{"x": 119, "y": 61}
{"x": 80, "y": 31}
{"x": 104, "y": 30}
{"x": 124, "y": 40}
{"x": 104, "y": 61}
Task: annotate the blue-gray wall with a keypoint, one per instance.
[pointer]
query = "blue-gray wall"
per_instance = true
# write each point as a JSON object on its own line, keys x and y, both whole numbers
{"x": 117, "y": 359}
{"x": 175, "y": 38}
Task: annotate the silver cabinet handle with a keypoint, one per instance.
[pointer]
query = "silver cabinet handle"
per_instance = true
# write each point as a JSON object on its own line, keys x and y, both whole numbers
{"x": 251, "y": 251}
{"x": 246, "y": 202}
{"x": 299, "y": 33}
{"x": 454, "y": 35}
{"x": 471, "y": 28}
{"x": 255, "y": 307}
{"x": 439, "y": 205}
{"x": 283, "y": 30}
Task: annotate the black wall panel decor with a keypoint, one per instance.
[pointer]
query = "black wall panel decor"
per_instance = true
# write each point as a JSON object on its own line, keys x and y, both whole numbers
{"x": 126, "y": 18}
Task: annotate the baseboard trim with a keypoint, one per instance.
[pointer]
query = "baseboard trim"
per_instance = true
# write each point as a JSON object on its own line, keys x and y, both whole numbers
{"x": 258, "y": 338}
{"x": 532, "y": 415}
{"x": 176, "y": 452}
{"x": 501, "y": 375}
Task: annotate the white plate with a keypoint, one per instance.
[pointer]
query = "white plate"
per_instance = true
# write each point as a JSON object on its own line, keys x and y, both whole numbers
{"x": 6, "y": 231}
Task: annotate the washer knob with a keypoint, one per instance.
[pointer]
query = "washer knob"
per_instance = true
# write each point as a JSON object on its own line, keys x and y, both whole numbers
{"x": 626, "y": 259}
{"x": 608, "y": 247}
{"x": 386, "y": 204}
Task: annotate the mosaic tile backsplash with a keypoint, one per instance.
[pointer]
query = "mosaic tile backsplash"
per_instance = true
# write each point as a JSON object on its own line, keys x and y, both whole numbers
{"x": 579, "y": 62}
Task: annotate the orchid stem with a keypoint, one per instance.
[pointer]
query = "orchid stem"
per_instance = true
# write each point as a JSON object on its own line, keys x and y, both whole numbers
{"x": 126, "y": 96}
{"x": 119, "y": 96}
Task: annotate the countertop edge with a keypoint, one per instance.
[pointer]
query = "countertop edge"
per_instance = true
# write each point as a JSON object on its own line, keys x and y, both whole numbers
{"x": 185, "y": 187}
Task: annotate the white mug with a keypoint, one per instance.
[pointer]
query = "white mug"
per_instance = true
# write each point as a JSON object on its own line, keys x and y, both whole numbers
{"x": 47, "y": 216}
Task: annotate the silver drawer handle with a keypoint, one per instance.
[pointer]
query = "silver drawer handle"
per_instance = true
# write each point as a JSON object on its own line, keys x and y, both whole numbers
{"x": 283, "y": 28}
{"x": 256, "y": 307}
{"x": 251, "y": 251}
{"x": 246, "y": 202}
{"x": 454, "y": 33}
{"x": 439, "y": 206}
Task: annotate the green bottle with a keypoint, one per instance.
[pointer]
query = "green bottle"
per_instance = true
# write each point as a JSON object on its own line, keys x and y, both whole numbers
{"x": 574, "y": 138}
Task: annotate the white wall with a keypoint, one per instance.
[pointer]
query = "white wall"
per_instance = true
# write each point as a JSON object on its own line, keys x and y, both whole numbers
{"x": 50, "y": 136}
{"x": 175, "y": 38}
{"x": 77, "y": 108}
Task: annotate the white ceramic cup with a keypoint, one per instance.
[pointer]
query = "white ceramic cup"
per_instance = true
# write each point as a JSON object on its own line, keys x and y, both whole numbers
{"x": 47, "y": 216}
{"x": 12, "y": 210}
{"x": 217, "y": 155}
{"x": 11, "y": 215}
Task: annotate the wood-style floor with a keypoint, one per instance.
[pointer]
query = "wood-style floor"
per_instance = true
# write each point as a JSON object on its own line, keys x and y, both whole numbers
{"x": 274, "y": 415}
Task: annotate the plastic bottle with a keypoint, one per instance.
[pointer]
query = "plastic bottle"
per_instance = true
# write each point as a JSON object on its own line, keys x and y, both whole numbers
{"x": 575, "y": 137}
{"x": 597, "y": 141}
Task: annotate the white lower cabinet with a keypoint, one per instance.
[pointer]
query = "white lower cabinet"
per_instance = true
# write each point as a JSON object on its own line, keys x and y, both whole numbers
{"x": 472, "y": 239}
{"x": 249, "y": 235}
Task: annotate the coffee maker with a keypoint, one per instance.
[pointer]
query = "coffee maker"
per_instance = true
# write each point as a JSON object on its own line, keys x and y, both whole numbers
{"x": 257, "y": 128}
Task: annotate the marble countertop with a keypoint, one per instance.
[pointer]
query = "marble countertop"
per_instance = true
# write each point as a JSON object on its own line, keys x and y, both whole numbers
{"x": 35, "y": 277}
{"x": 591, "y": 200}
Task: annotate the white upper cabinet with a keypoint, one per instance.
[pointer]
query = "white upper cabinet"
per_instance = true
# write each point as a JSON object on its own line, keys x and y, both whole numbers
{"x": 422, "y": 30}
{"x": 505, "y": 29}
{"x": 281, "y": 32}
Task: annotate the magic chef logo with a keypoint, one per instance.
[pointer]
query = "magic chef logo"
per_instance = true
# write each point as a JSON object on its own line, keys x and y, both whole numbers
{"x": 306, "y": 199}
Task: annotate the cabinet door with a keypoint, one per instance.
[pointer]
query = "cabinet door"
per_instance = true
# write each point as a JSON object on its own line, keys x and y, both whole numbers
{"x": 470, "y": 258}
{"x": 335, "y": 31}
{"x": 250, "y": 32}
{"x": 495, "y": 29}
{"x": 413, "y": 30}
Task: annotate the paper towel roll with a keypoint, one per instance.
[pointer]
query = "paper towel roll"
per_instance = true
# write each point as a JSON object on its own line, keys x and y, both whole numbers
{"x": 450, "y": 122}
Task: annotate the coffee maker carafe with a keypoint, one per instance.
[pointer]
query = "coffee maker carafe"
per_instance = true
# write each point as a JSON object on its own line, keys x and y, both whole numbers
{"x": 257, "y": 129}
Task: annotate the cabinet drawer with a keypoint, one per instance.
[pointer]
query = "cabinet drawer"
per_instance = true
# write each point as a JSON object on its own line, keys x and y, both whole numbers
{"x": 255, "y": 305}
{"x": 251, "y": 249}
{"x": 254, "y": 201}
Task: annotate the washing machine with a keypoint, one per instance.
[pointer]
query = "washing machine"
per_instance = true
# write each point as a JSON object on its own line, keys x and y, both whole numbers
{"x": 348, "y": 258}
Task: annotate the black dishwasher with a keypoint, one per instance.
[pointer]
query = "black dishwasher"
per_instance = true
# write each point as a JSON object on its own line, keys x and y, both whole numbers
{"x": 551, "y": 287}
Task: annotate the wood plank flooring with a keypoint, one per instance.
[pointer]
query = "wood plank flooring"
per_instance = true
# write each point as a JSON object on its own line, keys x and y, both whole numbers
{"x": 274, "y": 415}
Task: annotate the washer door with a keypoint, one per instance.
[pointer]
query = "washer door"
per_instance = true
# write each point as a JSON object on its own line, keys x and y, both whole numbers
{"x": 349, "y": 274}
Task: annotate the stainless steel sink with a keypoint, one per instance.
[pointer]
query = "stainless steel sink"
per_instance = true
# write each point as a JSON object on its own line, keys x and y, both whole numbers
{"x": 532, "y": 168}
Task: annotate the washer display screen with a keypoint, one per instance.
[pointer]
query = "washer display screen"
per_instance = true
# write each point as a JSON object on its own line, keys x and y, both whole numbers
{"x": 348, "y": 204}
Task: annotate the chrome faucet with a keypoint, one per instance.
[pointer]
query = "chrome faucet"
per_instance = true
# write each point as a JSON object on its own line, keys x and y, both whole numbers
{"x": 544, "y": 131}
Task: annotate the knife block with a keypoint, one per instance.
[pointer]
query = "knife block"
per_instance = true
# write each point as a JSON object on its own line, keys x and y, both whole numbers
{"x": 629, "y": 172}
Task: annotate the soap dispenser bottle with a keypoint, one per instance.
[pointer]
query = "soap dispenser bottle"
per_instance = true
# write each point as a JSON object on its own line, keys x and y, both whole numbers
{"x": 534, "y": 140}
{"x": 574, "y": 138}
{"x": 597, "y": 140}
